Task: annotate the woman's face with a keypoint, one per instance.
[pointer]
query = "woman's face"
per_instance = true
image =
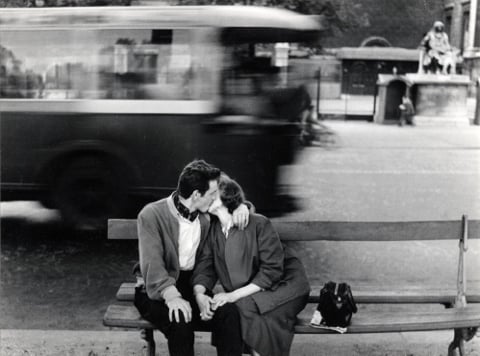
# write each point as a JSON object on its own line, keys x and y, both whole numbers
{"x": 217, "y": 203}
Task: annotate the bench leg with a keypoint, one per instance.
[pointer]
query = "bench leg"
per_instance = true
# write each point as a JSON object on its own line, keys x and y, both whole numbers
{"x": 147, "y": 335}
{"x": 459, "y": 339}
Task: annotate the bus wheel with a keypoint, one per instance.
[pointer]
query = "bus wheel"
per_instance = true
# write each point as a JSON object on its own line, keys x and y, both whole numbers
{"x": 88, "y": 191}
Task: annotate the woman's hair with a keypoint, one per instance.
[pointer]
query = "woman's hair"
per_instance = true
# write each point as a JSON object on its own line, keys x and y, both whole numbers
{"x": 231, "y": 194}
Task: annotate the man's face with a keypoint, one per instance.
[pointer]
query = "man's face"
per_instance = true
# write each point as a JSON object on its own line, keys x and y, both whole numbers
{"x": 203, "y": 202}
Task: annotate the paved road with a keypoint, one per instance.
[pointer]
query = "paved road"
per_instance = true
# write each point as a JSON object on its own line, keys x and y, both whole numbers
{"x": 365, "y": 171}
{"x": 52, "y": 279}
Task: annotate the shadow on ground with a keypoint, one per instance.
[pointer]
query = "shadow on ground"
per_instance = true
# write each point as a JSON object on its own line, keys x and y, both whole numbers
{"x": 56, "y": 278}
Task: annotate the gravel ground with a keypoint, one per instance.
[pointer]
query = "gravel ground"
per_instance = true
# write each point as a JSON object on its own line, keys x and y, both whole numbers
{"x": 128, "y": 343}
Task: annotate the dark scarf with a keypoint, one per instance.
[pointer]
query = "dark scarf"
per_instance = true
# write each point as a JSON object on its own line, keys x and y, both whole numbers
{"x": 182, "y": 209}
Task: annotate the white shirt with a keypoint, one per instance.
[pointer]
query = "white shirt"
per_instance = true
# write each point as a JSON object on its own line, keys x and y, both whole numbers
{"x": 188, "y": 241}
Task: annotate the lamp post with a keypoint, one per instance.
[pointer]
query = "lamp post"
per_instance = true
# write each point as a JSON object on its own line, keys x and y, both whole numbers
{"x": 319, "y": 76}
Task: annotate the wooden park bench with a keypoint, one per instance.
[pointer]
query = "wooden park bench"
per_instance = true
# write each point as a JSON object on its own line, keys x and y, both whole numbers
{"x": 458, "y": 316}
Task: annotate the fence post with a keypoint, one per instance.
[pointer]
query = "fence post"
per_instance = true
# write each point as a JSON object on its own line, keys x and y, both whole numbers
{"x": 476, "y": 119}
{"x": 347, "y": 91}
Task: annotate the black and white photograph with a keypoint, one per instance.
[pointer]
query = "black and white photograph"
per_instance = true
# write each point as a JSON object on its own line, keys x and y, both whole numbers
{"x": 240, "y": 177}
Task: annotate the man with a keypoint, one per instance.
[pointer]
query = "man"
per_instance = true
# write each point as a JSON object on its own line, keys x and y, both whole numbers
{"x": 407, "y": 111}
{"x": 170, "y": 233}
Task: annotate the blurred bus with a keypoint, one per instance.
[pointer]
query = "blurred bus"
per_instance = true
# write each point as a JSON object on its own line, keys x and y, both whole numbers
{"x": 102, "y": 107}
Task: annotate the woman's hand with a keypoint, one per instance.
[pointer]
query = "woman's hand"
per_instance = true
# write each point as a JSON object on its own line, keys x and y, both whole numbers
{"x": 204, "y": 304}
{"x": 222, "y": 299}
{"x": 240, "y": 216}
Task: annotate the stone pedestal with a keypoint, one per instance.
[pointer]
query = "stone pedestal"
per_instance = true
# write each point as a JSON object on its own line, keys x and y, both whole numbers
{"x": 440, "y": 100}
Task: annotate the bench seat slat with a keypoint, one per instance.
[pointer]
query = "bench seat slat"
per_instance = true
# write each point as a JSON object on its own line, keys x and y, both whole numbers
{"x": 433, "y": 296}
{"x": 377, "y": 322}
{"x": 127, "y": 316}
{"x": 126, "y": 229}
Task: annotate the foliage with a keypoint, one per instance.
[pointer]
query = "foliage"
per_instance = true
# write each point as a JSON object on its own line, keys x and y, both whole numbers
{"x": 59, "y": 3}
{"x": 345, "y": 22}
{"x": 325, "y": 10}
{"x": 210, "y": 2}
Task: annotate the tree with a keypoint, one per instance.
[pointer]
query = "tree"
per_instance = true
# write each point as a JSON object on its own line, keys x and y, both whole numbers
{"x": 60, "y": 3}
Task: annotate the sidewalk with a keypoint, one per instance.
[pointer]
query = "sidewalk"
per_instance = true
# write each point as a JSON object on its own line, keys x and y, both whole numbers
{"x": 362, "y": 105}
{"x": 117, "y": 343}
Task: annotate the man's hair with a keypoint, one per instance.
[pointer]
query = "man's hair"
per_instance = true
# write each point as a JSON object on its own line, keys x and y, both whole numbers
{"x": 231, "y": 194}
{"x": 196, "y": 176}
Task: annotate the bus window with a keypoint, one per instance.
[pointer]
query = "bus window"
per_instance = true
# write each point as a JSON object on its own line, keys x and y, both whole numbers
{"x": 252, "y": 81}
{"x": 107, "y": 64}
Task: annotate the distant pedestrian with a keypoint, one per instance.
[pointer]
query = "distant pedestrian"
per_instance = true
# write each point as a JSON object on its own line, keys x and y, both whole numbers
{"x": 407, "y": 111}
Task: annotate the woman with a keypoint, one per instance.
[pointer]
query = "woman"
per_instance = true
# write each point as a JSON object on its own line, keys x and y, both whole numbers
{"x": 261, "y": 278}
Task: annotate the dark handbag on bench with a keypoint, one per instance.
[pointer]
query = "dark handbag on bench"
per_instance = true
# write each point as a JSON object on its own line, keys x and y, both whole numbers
{"x": 336, "y": 304}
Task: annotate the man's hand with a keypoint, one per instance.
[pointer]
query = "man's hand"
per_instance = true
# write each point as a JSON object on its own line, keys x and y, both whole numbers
{"x": 204, "y": 304}
{"x": 177, "y": 304}
{"x": 240, "y": 216}
{"x": 222, "y": 299}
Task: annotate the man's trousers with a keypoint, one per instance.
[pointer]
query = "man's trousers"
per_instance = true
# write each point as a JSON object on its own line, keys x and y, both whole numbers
{"x": 225, "y": 325}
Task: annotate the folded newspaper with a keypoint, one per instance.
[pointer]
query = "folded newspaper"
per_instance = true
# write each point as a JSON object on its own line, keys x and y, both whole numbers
{"x": 316, "y": 322}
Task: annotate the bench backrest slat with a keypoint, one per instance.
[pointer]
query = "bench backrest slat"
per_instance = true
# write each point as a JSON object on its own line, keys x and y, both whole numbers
{"x": 126, "y": 229}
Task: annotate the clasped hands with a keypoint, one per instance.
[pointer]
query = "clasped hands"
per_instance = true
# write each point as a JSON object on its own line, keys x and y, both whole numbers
{"x": 208, "y": 305}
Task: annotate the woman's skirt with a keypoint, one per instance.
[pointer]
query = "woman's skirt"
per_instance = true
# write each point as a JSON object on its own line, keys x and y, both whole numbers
{"x": 271, "y": 333}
